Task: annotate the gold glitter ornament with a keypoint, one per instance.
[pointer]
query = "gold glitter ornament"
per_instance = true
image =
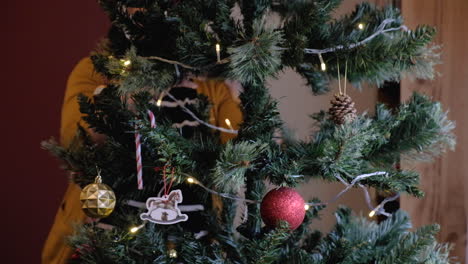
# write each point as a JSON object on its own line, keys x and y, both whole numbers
{"x": 97, "y": 199}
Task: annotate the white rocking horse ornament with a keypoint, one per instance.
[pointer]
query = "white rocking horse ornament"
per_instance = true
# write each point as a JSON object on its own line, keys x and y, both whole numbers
{"x": 164, "y": 210}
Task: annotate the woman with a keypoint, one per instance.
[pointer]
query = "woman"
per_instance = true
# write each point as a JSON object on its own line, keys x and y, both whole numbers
{"x": 85, "y": 80}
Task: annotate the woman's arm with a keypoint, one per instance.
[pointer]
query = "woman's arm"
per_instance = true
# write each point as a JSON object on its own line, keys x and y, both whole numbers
{"x": 226, "y": 104}
{"x": 83, "y": 80}
{"x": 229, "y": 108}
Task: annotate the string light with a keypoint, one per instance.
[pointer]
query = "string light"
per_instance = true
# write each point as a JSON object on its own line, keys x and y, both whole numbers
{"x": 218, "y": 52}
{"x": 159, "y": 102}
{"x": 230, "y": 131}
{"x": 126, "y": 63}
{"x": 361, "y": 26}
{"x": 191, "y": 180}
{"x": 135, "y": 229}
{"x": 380, "y": 209}
{"x": 307, "y": 206}
{"x": 172, "y": 253}
{"x": 377, "y": 210}
{"x": 228, "y": 123}
{"x": 380, "y": 30}
{"x": 323, "y": 66}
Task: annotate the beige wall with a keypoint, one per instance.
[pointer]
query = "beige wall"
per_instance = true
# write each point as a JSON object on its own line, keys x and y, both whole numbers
{"x": 296, "y": 103}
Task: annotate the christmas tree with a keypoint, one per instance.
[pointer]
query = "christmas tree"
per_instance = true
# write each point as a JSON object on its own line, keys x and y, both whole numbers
{"x": 152, "y": 171}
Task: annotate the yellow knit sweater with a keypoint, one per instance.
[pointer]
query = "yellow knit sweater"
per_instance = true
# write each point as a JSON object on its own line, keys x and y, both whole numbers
{"x": 84, "y": 80}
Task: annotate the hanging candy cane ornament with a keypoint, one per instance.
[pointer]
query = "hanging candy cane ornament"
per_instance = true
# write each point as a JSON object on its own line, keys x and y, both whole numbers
{"x": 139, "y": 163}
{"x": 138, "y": 160}
{"x": 152, "y": 119}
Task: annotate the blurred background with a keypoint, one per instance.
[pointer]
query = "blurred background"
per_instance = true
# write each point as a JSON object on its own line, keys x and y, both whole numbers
{"x": 41, "y": 43}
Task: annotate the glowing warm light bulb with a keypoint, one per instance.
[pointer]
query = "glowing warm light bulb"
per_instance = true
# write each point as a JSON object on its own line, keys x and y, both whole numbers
{"x": 160, "y": 99}
{"x": 191, "y": 180}
{"x": 323, "y": 66}
{"x": 372, "y": 213}
{"x": 228, "y": 123}
{"x": 135, "y": 229}
{"x": 361, "y": 26}
{"x": 306, "y": 207}
{"x": 173, "y": 253}
{"x": 127, "y": 63}
{"x": 218, "y": 52}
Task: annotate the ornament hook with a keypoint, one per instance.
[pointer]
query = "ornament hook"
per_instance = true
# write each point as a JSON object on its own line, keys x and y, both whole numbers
{"x": 345, "y": 77}
{"x": 98, "y": 177}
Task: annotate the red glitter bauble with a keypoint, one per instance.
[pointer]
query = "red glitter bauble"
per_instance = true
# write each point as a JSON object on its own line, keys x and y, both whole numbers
{"x": 283, "y": 204}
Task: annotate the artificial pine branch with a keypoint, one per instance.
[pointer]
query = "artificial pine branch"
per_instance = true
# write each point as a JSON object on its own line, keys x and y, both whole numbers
{"x": 420, "y": 128}
{"x": 357, "y": 240}
{"x": 266, "y": 250}
{"x": 419, "y": 131}
{"x": 234, "y": 161}
{"x": 258, "y": 57}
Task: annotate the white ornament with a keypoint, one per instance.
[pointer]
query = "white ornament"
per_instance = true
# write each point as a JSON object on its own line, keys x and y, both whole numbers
{"x": 164, "y": 210}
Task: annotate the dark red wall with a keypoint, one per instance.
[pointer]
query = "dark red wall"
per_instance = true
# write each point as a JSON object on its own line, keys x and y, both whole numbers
{"x": 40, "y": 43}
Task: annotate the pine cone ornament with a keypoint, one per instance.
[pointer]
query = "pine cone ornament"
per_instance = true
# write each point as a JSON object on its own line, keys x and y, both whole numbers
{"x": 342, "y": 110}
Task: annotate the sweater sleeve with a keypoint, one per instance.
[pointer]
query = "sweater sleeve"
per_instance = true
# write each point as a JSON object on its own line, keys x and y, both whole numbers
{"x": 82, "y": 80}
{"x": 225, "y": 106}
{"x": 228, "y": 108}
